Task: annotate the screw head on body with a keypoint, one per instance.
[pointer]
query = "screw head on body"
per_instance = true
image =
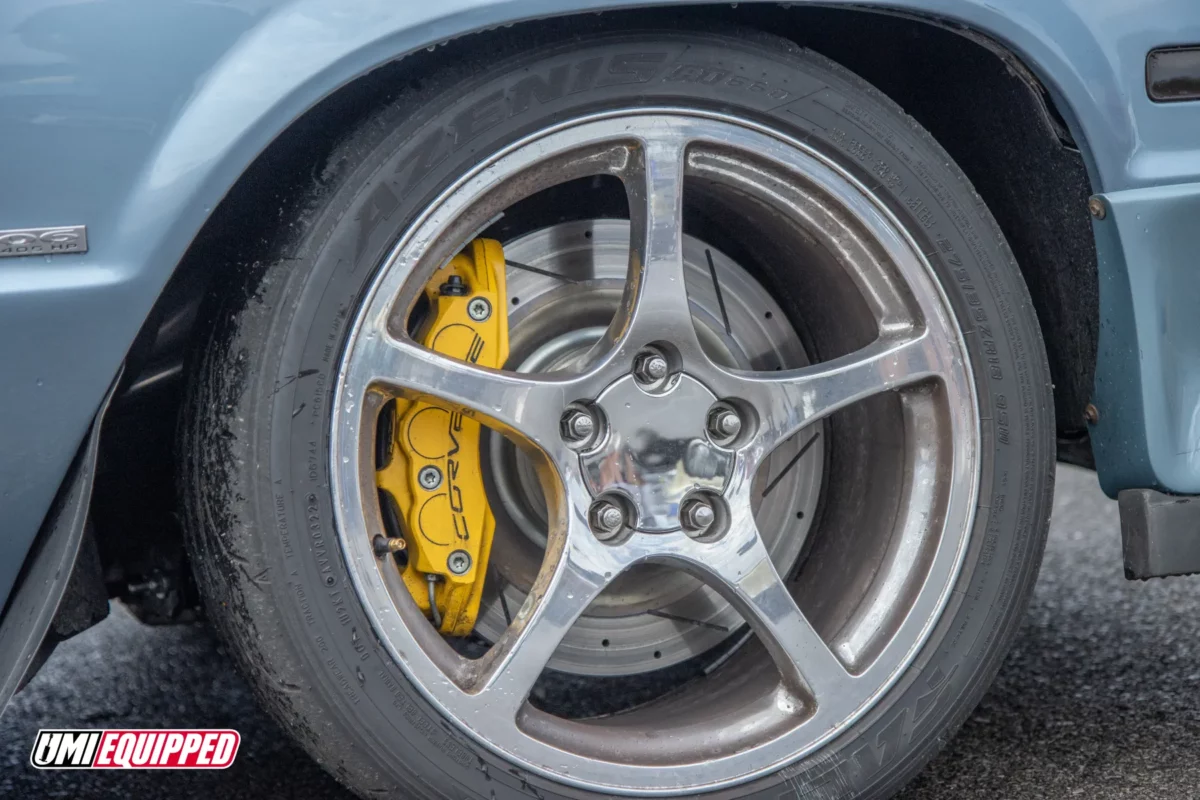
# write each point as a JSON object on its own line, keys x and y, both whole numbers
{"x": 479, "y": 309}
{"x": 459, "y": 562}
{"x": 430, "y": 478}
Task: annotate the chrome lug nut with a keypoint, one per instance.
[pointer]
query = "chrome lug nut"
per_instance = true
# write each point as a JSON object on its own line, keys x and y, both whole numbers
{"x": 479, "y": 309}
{"x": 724, "y": 424}
{"x": 649, "y": 367}
{"x": 606, "y": 518}
{"x": 578, "y": 426}
{"x": 697, "y": 515}
{"x": 459, "y": 562}
{"x": 430, "y": 478}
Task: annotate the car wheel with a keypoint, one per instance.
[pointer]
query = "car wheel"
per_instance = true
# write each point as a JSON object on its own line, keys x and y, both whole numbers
{"x": 758, "y": 488}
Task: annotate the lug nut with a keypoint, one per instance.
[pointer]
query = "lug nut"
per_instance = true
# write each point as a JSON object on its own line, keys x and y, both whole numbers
{"x": 479, "y": 309}
{"x": 606, "y": 519}
{"x": 724, "y": 424}
{"x": 649, "y": 367}
{"x": 430, "y": 478}
{"x": 459, "y": 562}
{"x": 578, "y": 426}
{"x": 697, "y": 515}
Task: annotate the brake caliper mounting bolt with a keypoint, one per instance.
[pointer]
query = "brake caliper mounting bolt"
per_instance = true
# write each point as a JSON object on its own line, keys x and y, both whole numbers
{"x": 578, "y": 426}
{"x": 697, "y": 515}
{"x": 649, "y": 367}
{"x": 724, "y": 423}
{"x": 606, "y": 519}
{"x": 430, "y": 478}
{"x": 459, "y": 562}
{"x": 479, "y": 309}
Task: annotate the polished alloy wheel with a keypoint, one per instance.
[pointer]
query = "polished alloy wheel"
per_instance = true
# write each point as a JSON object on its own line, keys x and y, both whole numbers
{"x": 621, "y": 414}
{"x": 680, "y": 433}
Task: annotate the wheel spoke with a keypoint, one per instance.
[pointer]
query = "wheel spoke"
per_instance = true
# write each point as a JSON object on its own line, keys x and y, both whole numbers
{"x": 799, "y": 651}
{"x": 562, "y": 592}
{"x": 655, "y": 306}
{"x": 786, "y": 401}
{"x": 740, "y": 568}
{"x": 527, "y": 405}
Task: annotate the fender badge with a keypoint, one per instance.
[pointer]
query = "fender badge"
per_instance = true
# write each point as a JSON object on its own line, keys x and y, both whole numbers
{"x": 43, "y": 241}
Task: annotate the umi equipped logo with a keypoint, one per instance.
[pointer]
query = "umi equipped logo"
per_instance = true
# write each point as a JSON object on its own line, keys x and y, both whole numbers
{"x": 134, "y": 749}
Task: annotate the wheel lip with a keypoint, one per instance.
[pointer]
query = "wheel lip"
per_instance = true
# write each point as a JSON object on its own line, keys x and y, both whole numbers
{"x": 363, "y": 567}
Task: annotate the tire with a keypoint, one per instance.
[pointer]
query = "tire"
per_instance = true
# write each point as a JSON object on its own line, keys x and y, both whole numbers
{"x": 256, "y": 426}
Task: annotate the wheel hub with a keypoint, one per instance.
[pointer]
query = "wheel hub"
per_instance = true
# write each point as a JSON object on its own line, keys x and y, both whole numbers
{"x": 655, "y": 451}
{"x": 654, "y": 617}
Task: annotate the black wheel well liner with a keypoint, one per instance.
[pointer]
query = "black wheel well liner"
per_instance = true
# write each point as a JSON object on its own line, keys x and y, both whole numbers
{"x": 987, "y": 109}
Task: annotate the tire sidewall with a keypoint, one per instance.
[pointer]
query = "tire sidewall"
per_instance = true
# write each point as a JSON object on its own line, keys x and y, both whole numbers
{"x": 357, "y": 712}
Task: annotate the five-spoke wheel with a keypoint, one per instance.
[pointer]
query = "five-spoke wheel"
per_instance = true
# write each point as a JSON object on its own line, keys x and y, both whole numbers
{"x": 642, "y": 478}
{"x": 766, "y": 449}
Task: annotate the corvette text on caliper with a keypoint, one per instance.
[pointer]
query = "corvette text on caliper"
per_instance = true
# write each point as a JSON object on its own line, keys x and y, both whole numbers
{"x": 433, "y": 472}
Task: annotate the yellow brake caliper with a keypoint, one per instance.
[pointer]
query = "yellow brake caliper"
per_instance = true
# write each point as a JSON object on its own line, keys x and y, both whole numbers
{"x": 434, "y": 473}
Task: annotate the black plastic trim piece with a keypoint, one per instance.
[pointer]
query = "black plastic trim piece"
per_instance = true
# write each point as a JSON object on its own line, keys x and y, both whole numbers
{"x": 1160, "y": 533}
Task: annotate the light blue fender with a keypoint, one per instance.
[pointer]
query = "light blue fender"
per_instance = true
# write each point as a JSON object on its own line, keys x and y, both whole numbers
{"x": 134, "y": 117}
{"x": 1148, "y": 383}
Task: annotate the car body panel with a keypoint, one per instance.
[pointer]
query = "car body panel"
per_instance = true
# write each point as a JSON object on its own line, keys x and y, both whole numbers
{"x": 1147, "y": 392}
{"x": 135, "y": 117}
{"x": 34, "y": 604}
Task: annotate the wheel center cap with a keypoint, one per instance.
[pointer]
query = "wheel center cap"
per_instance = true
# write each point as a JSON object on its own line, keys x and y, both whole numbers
{"x": 656, "y": 451}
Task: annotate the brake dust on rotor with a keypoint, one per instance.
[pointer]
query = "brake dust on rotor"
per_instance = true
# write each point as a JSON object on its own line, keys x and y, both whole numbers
{"x": 434, "y": 473}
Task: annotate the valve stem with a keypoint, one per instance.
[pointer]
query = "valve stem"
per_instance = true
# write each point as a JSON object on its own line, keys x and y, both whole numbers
{"x": 384, "y": 545}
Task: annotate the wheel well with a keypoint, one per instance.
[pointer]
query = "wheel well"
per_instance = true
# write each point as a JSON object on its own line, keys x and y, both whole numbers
{"x": 999, "y": 124}
{"x": 986, "y": 108}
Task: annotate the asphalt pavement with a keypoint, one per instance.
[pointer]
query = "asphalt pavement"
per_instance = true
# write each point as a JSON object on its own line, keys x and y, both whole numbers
{"x": 1100, "y": 697}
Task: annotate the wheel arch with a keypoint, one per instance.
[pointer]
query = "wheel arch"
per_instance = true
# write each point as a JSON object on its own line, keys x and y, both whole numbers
{"x": 287, "y": 138}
